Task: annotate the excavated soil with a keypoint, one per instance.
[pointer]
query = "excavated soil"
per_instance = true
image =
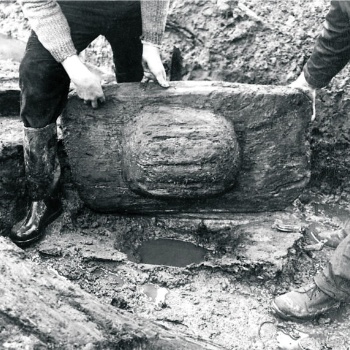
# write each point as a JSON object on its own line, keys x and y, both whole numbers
{"x": 111, "y": 257}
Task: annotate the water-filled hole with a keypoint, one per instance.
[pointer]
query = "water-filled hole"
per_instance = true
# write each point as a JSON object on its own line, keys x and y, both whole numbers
{"x": 170, "y": 252}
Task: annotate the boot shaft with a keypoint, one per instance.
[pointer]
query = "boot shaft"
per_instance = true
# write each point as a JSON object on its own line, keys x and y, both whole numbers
{"x": 40, "y": 160}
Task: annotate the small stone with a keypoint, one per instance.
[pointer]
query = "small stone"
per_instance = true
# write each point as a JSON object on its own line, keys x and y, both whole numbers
{"x": 174, "y": 318}
{"x": 51, "y": 251}
{"x": 161, "y": 296}
{"x": 120, "y": 303}
{"x": 208, "y": 12}
{"x": 89, "y": 346}
{"x": 95, "y": 224}
{"x": 325, "y": 321}
{"x": 98, "y": 253}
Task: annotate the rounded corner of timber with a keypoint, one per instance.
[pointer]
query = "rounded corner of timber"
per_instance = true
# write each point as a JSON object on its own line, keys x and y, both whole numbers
{"x": 197, "y": 145}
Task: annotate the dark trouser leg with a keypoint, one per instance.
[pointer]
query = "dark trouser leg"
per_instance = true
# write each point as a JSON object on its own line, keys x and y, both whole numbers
{"x": 44, "y": 86}
{"x": 124, "y": 37}
{"x": 43, "y": 81}
{"x": 44, "y": 89}
{"x": 334, "y": 280}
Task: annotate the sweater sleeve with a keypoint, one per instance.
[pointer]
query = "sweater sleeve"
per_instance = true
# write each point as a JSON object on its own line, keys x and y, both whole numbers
{"x": 50, "y": 25}
{"x": 332, "y": 49}
{"x": 154, "y": 14}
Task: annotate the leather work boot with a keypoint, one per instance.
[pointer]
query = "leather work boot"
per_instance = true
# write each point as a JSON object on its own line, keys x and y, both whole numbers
{"x": 306, "y": 302}
{"x": 42, "y": 175}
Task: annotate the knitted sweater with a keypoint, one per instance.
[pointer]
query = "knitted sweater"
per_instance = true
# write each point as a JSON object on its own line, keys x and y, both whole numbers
{"x": 51, "y": 27}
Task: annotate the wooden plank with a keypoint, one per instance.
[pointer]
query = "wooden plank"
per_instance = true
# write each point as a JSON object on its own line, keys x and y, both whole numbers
{"x": 156, "y": 150}
{"x": 40, "y": 309}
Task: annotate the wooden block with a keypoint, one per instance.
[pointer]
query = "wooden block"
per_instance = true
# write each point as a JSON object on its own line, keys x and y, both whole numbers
{"x": 195, "y": 147}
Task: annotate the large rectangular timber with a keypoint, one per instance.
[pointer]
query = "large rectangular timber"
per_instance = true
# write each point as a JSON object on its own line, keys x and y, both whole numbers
{"x": 195, "y": 147}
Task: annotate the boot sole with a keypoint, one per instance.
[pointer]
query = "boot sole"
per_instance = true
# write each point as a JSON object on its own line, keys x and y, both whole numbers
{"x": 47, "y": 222}
{"x": 277, "y": 311}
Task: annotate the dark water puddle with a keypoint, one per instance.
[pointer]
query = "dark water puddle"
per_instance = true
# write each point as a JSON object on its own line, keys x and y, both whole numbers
{"x": 170, "y": 252}
{"x": 103, "y": 272}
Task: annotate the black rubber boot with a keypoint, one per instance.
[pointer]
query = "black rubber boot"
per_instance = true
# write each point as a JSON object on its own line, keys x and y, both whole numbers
{"x": 42, "y": 175}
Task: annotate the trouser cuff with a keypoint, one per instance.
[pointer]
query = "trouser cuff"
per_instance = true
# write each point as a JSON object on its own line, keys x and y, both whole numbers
{"x": 336, "y": 287}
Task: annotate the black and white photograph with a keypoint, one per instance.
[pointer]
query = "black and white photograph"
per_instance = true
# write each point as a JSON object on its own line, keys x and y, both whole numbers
{"x": 174, "y": 175}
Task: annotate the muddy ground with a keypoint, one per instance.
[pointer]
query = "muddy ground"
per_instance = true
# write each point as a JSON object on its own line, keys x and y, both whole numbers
{"x": 268, "y": 46}
{"x": 197, "y": 290}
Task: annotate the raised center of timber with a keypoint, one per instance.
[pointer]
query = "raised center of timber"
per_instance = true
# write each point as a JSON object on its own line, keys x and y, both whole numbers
{"x": 176, "y": 152}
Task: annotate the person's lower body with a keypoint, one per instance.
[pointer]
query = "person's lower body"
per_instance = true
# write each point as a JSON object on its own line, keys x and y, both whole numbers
{"x": 330, "y": 287}
{"x": 44, "y": 89}
{"x": 42, "y": 176}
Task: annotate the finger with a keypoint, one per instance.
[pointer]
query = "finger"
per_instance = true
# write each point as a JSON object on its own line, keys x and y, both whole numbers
{"x": 102, "y": 99}
{"x": 164, "y": 84}
{"x": 162, "y": 80}
{"x": 145, "y": 79}
{"x": 313, "y": 117}
{"x": 158, "y": 72}
{"x": 94, "y": 104}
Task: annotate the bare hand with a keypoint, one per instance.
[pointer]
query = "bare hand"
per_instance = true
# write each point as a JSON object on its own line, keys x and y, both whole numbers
{"x": 301, "y": 84}
{"x": 152, "y": 66}
{"x": 88, "y": 85}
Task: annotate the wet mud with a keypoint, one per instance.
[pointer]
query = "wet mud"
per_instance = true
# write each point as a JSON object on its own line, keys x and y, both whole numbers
{"x": 232, "y": 309}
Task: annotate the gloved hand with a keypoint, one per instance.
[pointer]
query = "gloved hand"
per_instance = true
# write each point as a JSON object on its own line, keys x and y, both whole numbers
{"x": 88, "y": 84}
{"x": 301, "y": 84}
{"x": 152, "y": 66}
